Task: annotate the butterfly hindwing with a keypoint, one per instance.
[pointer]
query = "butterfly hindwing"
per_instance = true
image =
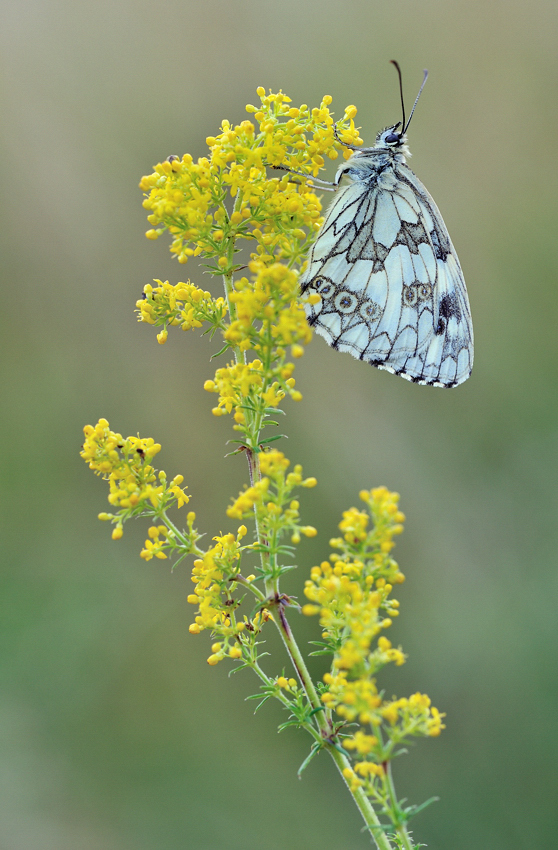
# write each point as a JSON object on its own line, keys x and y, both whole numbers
{"x": 391, "y": 288}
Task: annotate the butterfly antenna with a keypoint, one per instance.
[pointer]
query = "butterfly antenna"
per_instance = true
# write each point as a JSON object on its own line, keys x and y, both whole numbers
{"x": 416, "y": 100}
{"x": 393, "y": 62}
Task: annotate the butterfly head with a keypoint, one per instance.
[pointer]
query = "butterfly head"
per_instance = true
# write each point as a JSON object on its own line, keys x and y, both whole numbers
{"x": 391, "y": 138}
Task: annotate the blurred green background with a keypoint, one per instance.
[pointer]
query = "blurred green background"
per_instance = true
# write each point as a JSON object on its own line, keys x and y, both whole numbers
{"x": 115, "y": 733}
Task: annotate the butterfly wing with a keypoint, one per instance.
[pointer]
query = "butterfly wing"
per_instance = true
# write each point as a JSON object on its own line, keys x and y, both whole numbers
{"x": 391, "y": 288}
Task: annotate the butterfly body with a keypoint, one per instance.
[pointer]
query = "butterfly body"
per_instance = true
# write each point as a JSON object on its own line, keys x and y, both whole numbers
{"x": 391, "y": 290}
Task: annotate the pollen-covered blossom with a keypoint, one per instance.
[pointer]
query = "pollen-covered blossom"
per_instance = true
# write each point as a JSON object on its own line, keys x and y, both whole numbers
{"x": 236, "y": 384}
{"x": 392, "y": 724}
{"x": 233, "y": 194}
{"x": 270, "y": 499}
{"x": 280, "y": 213}
{"x": 184, "y": 305}
{"x": 134, "y": 483}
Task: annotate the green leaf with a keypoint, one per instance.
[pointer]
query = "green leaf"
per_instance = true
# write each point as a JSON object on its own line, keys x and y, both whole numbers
{"x": 222, "y": 351}
{"x": 283, "y": 726}
{"x": 313, "y": 752}
{"x": 411, "y": 811}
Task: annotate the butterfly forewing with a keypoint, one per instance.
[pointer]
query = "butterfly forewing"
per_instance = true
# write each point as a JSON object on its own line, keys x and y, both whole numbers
{"x": 391, "y": 291}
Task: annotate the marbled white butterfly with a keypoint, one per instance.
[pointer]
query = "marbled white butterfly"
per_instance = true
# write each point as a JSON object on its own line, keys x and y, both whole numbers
{"x": 390, "y": 284}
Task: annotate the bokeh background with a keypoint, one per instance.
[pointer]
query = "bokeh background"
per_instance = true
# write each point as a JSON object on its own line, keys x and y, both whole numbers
{"x": 115, "y": 734}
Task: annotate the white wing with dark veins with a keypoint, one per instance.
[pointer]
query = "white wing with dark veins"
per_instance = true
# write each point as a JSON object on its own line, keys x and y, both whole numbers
{"x": 391, "y": 288}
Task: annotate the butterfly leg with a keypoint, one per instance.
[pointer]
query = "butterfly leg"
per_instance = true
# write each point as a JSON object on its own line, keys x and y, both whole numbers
{"x": 326, "y": 185}
{"x": 341, "y": 142}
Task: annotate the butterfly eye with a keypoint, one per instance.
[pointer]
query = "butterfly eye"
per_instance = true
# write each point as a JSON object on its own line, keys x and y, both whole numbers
{"x": 392, "y": 138}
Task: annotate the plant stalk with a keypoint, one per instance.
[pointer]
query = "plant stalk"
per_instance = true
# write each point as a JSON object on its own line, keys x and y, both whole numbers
{"x": 363, "y": 803}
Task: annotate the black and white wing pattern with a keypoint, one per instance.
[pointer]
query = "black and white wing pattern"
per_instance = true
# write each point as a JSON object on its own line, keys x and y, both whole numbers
{"x": 391, "y": 290}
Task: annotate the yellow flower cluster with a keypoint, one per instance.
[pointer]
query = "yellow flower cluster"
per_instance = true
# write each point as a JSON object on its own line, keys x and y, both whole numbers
{"x": 415, "y": 716}
{"x": 237, "y": 385}
{"x": 351, "y": 594}
{"x": 271, "y": 500}
{"x": 207, "y": 206}
{"x": 156, "y": 543}
{"x": 268, "y": 318}
{"x": 213, "y": 575}
{"x": 350, "y": 604}
{"x": 357, "y": 699}
{"x": 187, "y": 198}
{"x": 267, "y": 310}
{"x": 352, "y": 597}
{"x": 134, "y": 484}
{"x": 407, "y": 717}
{"x": 216, "y": 575}
{"x": 185, "y": 305}
{"x": 372, "y": 546}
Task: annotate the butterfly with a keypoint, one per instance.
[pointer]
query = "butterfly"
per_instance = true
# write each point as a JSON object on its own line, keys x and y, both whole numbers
{"x": 391, "y": 290}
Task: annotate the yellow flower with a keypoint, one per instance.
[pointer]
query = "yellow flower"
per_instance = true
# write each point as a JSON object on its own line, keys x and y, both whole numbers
{"x": 280, "y": 214}
{"x": 213, "y": 575}
{"x": 134, "y": 484}
{"x": 184, "y": 305}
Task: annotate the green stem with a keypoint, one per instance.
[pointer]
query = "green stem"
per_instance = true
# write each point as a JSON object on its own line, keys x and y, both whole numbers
{"x": 195, "y": 550}
{"x": 251, "y": 587}
{"x": 299, "y": 664}
{"x": 363, "y": 803}
{"x": 254, "y": 475}
{"x": 284, "y": 700}
{"x": 401, "y": 830}
{"x": 280, "y": 618}
{"x": 227, "y": 284}
{"x": 406, "y": 842}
